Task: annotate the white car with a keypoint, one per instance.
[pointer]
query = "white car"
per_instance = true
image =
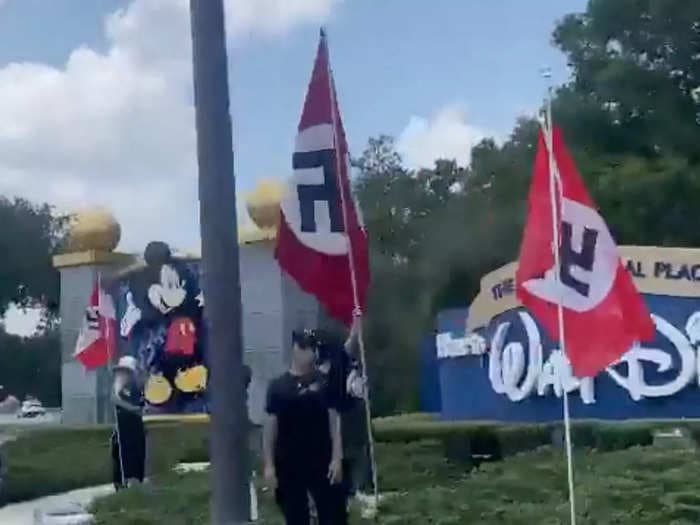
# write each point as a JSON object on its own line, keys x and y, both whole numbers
{"x": 31, "y": 409}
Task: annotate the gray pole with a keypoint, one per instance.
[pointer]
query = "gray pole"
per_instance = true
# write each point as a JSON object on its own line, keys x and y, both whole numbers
{"x": 221, "y": 277}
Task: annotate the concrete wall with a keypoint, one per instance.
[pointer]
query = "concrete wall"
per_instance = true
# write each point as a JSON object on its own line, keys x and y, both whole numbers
{"x": 262, "y": 321}
{"x": 273, "y": 306}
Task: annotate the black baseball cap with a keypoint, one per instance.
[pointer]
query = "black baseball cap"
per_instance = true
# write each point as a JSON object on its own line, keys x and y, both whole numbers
{"x": 305, "y": 339}
{"x": 328, "y": 343}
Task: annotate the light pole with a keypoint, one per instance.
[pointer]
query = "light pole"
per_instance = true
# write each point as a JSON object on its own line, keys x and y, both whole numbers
{"x": 221, "y": 274}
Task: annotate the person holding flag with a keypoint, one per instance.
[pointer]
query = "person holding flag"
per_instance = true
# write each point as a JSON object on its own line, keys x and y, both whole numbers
{"x": 95, "y": 348}
{"x": 345, "y": 386}
{"x": 321, "y": 240}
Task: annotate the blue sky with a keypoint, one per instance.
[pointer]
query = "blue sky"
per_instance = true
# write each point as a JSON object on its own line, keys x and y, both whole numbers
{"x": 436, "y": 74}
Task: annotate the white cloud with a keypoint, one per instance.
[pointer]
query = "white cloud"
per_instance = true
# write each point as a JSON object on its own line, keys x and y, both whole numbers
{"x": 117, "y": 128}
{"x": 445, "y": 135}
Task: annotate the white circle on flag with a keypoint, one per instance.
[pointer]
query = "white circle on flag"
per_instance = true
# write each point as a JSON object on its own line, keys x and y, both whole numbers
{"x": 598, "y": 279}
{"x": 316, "y": 138}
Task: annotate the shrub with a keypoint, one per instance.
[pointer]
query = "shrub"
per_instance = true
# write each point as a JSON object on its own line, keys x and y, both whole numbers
{"x": 621, "y": 436}
{"x": 43, "y": 462}
{"x": 466, "y": 441}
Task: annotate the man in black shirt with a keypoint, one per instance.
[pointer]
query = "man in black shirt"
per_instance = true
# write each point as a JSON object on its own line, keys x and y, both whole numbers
{"x": 346, "y": 384}
{"x": 303, "y": 449}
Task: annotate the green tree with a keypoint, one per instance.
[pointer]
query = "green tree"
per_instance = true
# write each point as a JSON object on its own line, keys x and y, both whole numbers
{"x": 636, "y": 72}
{"x": 631, "y": 113}
{"x": 31, "y": 366}
{"x": 29, "y": 236}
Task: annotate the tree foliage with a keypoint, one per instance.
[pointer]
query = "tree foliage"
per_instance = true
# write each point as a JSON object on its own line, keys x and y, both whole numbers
{"x": 31, "y": 366}
{"x": 630, "y": 114}
{"x": 29, "y": 235}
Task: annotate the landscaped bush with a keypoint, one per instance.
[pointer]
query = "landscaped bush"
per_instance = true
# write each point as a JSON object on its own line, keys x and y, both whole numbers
{"x": 466, "y": 442}
{"x": 43, "y": 462}
{"x": 631, "y": 487}
{"x": 621, "y": 436}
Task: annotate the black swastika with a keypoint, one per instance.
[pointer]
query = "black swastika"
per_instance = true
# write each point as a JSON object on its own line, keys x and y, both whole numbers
{"x": 309, "y": 194}
{"x": 570, "y": 258}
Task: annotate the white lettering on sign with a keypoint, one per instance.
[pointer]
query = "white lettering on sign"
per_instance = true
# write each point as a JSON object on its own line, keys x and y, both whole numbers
{"x": 518, "y": 373}
{"x": 507, "y": 364}
{"x": 448, "y": 346}
{"x": 635, "y": 383}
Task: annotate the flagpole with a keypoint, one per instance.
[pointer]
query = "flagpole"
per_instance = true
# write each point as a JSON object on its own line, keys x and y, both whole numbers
{"x": 353, "y": 275}
{"x": 114, "y": 405}
{"x": 555, "y": 195}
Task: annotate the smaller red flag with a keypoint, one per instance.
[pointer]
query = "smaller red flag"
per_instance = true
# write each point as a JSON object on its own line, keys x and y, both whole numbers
{"x": 97, "y": 340}
{"x": 604, "y": 315}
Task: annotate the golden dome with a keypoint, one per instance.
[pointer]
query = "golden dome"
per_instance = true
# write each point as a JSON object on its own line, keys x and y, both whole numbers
{"x": 263, "y": 204}
{"x": 93, "y": 229}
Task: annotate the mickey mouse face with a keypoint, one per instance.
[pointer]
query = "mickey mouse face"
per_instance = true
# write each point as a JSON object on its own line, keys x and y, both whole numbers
{"x": 169, "y": 293}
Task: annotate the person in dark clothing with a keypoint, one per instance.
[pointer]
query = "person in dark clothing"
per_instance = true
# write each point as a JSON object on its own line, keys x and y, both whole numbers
{"x": 128, "y": 441}
{"x": 345, "y": 382}
{"x": 302, "y": 441}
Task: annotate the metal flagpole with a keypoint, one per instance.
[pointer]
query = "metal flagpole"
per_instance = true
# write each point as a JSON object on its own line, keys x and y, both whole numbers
{"x": 230, "y": 478}
{"x": 353, "y": 276}
{"x": 116, "y": 412}
{"x": 555, "y": 196}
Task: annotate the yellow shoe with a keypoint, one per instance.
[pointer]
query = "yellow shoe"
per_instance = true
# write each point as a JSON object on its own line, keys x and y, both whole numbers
{"x": 158, "y": 389}
{"x": 192, "y": 380}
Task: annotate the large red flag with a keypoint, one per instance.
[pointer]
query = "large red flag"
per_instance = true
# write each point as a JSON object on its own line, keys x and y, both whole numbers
{"x": 97, "y": 340}
{"x": 321, "y": 242}
{"x": 604, "y": 315}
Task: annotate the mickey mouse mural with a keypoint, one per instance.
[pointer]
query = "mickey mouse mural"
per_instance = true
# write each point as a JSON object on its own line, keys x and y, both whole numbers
{"x": 160, "y": 307}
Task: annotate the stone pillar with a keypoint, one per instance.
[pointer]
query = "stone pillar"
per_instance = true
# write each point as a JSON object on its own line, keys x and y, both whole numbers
{"x": 261, "y": 293}
{"x": 273, "y": 304}
{"x": 92, "y": 238}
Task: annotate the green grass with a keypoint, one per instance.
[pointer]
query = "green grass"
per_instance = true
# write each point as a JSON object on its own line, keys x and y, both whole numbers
{"x": 641, "y": 485}
{"x": 428, "y": 462}
{"x": 43, "y": 462}
{"x": 184, "y": 499}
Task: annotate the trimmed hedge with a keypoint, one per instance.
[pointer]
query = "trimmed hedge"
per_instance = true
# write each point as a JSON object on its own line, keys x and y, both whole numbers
{"x": 469, "y": 442}
{"x": 44, "y": 462}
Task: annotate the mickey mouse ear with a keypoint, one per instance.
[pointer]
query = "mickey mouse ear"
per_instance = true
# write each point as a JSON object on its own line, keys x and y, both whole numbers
{"x": 157, "y": 253}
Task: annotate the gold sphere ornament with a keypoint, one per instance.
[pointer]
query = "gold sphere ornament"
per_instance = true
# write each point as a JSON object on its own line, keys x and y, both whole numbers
{"x": 263, "y": 204}
{"x": 93, "y": 229}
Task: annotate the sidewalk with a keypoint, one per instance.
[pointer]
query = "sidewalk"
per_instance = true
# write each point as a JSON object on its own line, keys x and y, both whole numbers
{"x": 23, "y": 513}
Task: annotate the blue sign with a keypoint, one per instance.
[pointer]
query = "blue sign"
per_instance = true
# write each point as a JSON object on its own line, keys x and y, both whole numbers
{"x": 507, "y": 369}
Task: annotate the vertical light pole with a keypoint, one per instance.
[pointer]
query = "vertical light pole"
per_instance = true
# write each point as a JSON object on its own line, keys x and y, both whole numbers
{"x": 221, "y": 274}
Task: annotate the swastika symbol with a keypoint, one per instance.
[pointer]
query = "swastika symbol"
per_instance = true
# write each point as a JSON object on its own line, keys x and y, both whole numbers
{"x": 582, "y": 259}
{"x": 309, "y": 194}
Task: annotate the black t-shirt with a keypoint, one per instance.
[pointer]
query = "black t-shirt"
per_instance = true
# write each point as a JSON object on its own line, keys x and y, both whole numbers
{"x": 303, "y": 431}
{"x": 341, "y": 364}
